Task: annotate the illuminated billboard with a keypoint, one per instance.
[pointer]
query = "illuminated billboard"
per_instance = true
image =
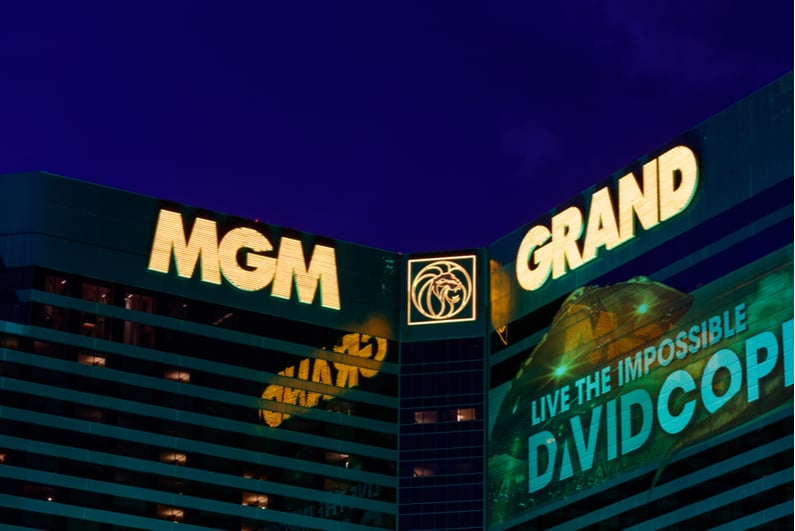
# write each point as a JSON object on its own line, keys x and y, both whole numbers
{"x": 633, "y": 373}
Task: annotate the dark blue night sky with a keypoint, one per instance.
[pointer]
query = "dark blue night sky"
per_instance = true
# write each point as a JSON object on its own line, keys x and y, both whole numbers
{"x": 409, "y": 126}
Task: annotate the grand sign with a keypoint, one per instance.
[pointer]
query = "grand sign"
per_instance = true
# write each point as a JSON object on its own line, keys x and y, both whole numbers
{"x": 242, "y": 257}
{"x": 669, "y": 183}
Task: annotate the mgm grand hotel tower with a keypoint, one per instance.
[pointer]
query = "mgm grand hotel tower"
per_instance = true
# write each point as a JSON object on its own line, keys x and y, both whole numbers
{"x": 623, "y": 362}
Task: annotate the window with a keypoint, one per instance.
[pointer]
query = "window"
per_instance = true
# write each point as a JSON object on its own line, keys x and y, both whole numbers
{"x": 463, "y": 414}
{"x": 95, "y": 325}
{"x": 173, "y": 458}
{"x": 53, "y": 316}
{"x": 170, "y": 513}
{"x": 91, "y": 359}
{"x": 253, "y": 499}
{"x": 422, "y": 471}
{"x": 137, "y": 333}
{"x": 334, "y": 458}
{"x": 178, "y": 375}
{"x": 426, "y": 417}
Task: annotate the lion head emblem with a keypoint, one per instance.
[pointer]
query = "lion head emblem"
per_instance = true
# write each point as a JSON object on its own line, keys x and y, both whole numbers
{"x": 441, "y": 289}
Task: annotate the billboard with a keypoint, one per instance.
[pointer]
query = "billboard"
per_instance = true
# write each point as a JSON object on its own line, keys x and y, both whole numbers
{"x": 631, "y": 374}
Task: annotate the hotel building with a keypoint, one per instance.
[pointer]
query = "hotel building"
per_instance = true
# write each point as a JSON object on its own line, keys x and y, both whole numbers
{"x": 624, "y": 361}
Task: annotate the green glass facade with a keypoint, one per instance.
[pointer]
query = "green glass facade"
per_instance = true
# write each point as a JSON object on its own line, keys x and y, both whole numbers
{"x": 167, "y": 367}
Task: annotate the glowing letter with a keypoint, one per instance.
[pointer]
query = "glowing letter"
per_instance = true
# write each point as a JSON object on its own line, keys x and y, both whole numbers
{"x": 753, "y": 346}
{"x": 533, "y": 278}
{"x": 787, "y": 341}
{"x": 726, "y": 359}
{"x": 367, "y": 352}
{"x": 260, "y": 269}
{"x": 321, "y": 373}
{"x": 566, "y": 230}
{"x": 636, "y": 397}
{"x": 272, "y": 418}
{"x": 642, "y": 203}
{"x": 322, "y": 268}
{"x": 675, "y": 423}
{"x": 535, "y": 480}
{"x": 676, "y": 162}
{"x": 293, "y": 395}
{"x": 602, "y": 228}
{"x": 347, "y": 375}
{"x": 202, "y": 243}
{"x": 586, "y": 451}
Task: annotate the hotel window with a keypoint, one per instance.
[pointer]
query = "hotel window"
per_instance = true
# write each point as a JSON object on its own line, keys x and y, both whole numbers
{"x": 95, "y": 325}
{"x": 137, "y": 333}
{"x": 253, "y": 499}
{"x": 57, "y": 284}
{"x": 173, "y": 458}
{"x": 426, "y": 417}
{"x": 463, "y": 414}
{"x": 90, "y": 358}
{"x": 178, "y": 375}
{"x": 170, "y": 513}
{"x": 53, "y": 316}
{"x": 334, "y": 458}
{"x": 94, "y": 293}
{"x": 422, "y": 471}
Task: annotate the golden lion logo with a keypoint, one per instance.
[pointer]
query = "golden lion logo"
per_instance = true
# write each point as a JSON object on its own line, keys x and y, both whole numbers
{"x": 441, "y": 290}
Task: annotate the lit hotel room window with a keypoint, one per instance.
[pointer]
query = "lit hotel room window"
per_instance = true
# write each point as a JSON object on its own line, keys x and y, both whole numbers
{"x": 178, "y": 375}
{"x": 91, "y": 359}
{"x": 94, "y": 293}
{"x": 422, "y": 471}
{"x": 426, "y": 417}
{"x": 253, "y": 499}
{"x": 462, "y": 414}
{"x": 170, "y": 513}
{"x": 174, "y": 458}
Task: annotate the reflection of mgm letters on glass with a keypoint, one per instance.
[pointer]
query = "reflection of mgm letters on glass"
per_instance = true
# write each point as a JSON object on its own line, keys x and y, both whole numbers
{"x": 441, "y": 290}
{"x": 321, "y": 371}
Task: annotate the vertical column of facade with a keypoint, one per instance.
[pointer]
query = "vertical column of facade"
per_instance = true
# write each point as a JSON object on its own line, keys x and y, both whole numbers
{"x": 442, "y": 389}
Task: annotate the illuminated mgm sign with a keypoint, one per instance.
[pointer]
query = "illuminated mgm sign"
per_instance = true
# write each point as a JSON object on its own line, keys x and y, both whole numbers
{"x": 242, "y": 258}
